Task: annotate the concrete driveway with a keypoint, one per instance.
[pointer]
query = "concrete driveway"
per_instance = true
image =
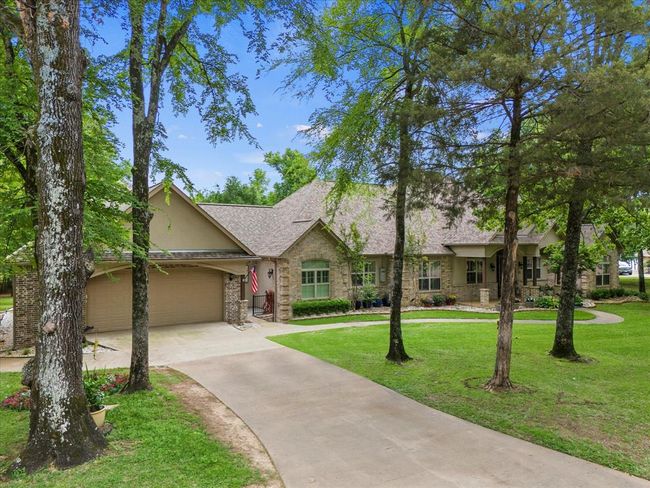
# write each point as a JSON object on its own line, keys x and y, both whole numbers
{"x": 326, "y": 427}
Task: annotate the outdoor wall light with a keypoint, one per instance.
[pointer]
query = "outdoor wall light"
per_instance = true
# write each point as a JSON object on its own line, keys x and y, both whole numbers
{"x": 491, "y": 266}
{"x": 270, "y": 273}
{"x": 230, "y": 276}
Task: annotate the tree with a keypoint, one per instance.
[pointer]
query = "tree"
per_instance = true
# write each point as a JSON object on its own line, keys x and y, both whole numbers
{"x": 598, "y": 129}
{"x": 61, "y": 429}
{"x": 255, "y": 192}
{"x": 295, "y": 172}
{"x": 511, "y": 69}
{"x": 377, "y": 64}
{"x": 629, "y": 227}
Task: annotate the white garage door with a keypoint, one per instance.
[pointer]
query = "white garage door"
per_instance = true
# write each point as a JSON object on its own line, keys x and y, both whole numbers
{"x": 181, "y": 296}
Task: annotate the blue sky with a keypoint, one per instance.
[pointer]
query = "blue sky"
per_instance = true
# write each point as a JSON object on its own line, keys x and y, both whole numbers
{"x": 276, "y": 127}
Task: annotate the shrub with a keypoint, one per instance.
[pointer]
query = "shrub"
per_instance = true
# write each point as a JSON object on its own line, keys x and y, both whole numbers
{"x": 113, "y": 383}
{"x": 426, "y": 301}
{"x": 643, "y": 296}
{"x": 438, "y": 300}
{"x": 600, "y": 294}
{"x": 451, "y": 299}
{"x": 546, "y": 302}
{"x": 93, "y": 384}
{"x": 17, "y": 401}
{"x": 368, "y": 294}
{"x": 318, "y": 307}
{"x": 578, "y": 301}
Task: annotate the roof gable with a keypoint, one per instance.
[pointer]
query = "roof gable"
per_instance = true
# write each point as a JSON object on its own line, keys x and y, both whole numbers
{"x": 180, "y": 224}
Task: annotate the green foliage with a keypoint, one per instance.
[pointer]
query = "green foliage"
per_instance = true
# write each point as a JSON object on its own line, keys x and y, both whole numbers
{"x": 295, "y": 172}
{"x": 438, "y": 300}
{"x": 235, "y": 191}
{"x": 302, "y": 308}
{"x": 607, "y": 293}
{"x": 589, "y": 255}
{"x": 368, "y": 293}
{"x": 546, "y": 302}
{"x": 93, "y": 384}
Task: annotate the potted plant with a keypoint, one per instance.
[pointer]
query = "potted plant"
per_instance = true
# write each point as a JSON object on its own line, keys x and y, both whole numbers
{"x": 368, "y": 295}
{"x": 95, "y": 396}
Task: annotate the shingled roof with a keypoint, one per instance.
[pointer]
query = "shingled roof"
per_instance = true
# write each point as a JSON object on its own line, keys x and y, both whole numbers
{"x": 270, "y": 231}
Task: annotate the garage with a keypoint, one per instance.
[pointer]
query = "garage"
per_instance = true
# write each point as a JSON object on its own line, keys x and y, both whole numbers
{"x": 177, "y": 295}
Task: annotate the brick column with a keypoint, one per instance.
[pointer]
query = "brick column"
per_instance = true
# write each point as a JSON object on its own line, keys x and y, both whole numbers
{"x": 27, "y": 309}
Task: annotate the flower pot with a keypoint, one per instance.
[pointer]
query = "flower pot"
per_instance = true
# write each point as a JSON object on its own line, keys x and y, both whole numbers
{"x": 99, "y": 417}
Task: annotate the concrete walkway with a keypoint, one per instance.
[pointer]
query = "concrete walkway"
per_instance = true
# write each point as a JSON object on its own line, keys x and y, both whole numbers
{"x": 326, "y": 427}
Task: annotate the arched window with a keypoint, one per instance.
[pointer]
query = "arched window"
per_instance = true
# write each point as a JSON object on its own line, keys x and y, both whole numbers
{"x": 315, "y": 279}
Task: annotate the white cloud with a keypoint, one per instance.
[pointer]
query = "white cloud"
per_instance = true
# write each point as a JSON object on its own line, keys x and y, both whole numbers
{"x": 259, "y": 125}
{"x": 182, "y": 136}
{"x": 301, "y": 127}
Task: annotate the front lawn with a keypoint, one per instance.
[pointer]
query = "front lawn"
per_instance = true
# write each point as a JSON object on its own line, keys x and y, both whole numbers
{"x": 438, "y": 314}
{"x": 599, "y": 410}
{"x": 155, "y": 443}
{"x": 629, "y": 282}
{"x": 6, "y": 303}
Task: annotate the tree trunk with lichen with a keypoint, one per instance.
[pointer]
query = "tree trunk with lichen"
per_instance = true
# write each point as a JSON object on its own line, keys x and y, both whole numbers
{"x": 642, "y": 288}
{"x": 61, "y": 429}
{"x": 501, "y": 377}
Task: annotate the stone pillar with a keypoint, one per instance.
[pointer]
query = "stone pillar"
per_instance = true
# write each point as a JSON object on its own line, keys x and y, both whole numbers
{"x": 283, "y": 292}
{"x": 484, "y": 296}
{"x": 27, "y": 309}
{"x": 231, "y": 299}
{"x": 243, "y": 311}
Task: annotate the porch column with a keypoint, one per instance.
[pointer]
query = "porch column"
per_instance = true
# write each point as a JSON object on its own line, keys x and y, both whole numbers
{"x": 485, "y": 268}
{"x": 535, "y": 258}
{"x": 525, "y": 281}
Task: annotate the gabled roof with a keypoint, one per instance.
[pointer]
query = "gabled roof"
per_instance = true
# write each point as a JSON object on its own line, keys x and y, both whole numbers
{"x": 270, "y": 231}
{"x": 159, "y": 187}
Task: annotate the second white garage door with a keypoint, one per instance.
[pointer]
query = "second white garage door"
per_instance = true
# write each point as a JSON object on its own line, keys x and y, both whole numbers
{"x": 184, "y": 295}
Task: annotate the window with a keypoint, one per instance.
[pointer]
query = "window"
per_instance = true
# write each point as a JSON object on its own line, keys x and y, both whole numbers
{"x": 315, "y": 279}
{"x": 474, "y": 271}
{"x": 529, "y": 268}
{"x": 366, "y": 277}
{"x": 602, "y": 272}
{"x": 429, "y": 275}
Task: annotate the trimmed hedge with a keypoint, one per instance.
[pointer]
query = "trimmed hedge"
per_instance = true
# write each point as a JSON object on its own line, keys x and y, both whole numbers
{"x": 605, "y": 293}
{"x": 302, "y": 308}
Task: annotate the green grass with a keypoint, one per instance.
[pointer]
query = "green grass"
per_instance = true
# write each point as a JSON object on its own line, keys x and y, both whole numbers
{"x": 599, "y": 410}
{"x": 438, "y": 314}
{"x": 629, "y": 282}
{"x": 6, "y": 303}
{"x": 155, "y": 443}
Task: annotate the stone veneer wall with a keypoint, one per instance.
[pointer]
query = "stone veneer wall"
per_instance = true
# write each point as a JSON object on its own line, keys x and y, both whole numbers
{"x": 27, "y": 309}
{"x": 316, "y": 245}
{"x": 235, "y": 310}
{"x": 411, "y": 294}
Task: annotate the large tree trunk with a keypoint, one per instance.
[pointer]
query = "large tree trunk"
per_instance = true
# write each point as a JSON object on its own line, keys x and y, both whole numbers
{"x": 641, "y": 273}
{"x": 563, "y": 345}
{"x": 396, "y": 351}
{"x": 501, "y": 377}
{"x": 61, "y": 429}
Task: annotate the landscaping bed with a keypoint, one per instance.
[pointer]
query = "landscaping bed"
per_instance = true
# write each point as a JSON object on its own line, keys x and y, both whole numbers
{"x": 156, "y": 442}
{"x": 597, "y": 410}
{"x": 452, "y": 312}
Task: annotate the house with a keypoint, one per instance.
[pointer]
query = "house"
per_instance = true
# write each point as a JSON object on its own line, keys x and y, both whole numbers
{"x": 202, "y": 257}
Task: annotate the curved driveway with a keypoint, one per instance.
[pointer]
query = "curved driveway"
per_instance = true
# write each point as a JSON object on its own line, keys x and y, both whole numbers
{"x": 327, "y": 427}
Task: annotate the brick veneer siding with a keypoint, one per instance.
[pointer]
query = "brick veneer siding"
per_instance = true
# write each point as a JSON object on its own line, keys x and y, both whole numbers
{"x": 318, "y": 244}
{"x": 235, "y": 310}
{"x": 411, "y": 293}
{"x": 27, "y": 309}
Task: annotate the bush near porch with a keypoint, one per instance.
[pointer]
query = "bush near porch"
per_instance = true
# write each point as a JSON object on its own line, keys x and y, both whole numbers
{"x": 598, "y": 410}
{"x": 302, "y": 308}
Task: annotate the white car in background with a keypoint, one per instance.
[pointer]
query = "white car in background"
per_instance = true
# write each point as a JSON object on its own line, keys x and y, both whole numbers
{"x": 624, "y": 268}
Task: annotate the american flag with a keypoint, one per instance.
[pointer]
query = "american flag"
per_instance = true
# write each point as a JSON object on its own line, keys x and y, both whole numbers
{"x": 253, "y": 280}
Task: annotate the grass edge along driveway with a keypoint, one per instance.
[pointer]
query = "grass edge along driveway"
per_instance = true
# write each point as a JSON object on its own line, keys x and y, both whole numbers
{"x": 155, "y": 442}
{"x": 597, "y": 410}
